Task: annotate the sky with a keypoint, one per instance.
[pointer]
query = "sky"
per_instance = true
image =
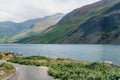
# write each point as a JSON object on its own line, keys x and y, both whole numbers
{"x": 21, "y": 10}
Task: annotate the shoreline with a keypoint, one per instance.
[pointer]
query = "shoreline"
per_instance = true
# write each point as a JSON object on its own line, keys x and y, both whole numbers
{"x": 60, "y": 67}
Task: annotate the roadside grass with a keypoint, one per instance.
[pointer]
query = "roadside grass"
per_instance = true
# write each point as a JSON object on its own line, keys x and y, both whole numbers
{"x": 66, "y": 69}
{"x": 6, "y": 70}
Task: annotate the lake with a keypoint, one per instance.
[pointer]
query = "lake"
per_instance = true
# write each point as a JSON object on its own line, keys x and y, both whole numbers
{"x": 81, "y": 52}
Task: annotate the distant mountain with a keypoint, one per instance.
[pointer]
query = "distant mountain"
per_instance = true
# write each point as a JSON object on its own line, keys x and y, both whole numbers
{"x": 11, "y": 31}
{"x": 9, "y": 28}
{"x": 95, "y": 23}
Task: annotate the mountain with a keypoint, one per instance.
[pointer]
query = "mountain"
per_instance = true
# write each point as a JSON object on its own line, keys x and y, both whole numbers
{"x": 9, "y": 28}
{"x": 95, "y": 23}
{"x": 11, "y": 31}
{"x": 38, "y": 27}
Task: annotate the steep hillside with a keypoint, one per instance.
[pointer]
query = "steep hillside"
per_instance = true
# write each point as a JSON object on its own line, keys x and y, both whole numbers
{"x": 38, "y": 27}
{"x": 95, "y": 23}
{"x": 11, "y": 31}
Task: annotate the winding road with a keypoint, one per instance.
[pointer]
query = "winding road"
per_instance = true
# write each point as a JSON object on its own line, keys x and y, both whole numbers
{"x": 30, "y": 73}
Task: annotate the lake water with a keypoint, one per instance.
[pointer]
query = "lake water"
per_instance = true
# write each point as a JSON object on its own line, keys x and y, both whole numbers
{"x": 78, "y": 52}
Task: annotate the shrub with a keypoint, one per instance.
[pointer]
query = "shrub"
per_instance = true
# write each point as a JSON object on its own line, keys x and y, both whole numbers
{"x": 1, "y": 56}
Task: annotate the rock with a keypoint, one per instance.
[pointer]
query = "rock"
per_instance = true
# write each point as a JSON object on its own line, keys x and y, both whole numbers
{"x": 110, "y": 63}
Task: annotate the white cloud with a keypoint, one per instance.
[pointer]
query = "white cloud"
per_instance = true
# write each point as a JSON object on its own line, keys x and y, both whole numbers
{"x": 19, "y": 10}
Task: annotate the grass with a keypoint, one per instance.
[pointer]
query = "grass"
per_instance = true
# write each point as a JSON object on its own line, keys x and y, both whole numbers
{"x": 5, "y": 70}
{"x": 66, "y": 69}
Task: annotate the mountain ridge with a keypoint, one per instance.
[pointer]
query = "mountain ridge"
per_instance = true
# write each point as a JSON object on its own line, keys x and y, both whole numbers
{"x": 11, "y": 31}
{"x": 98, "y": 25}
{"x": 39, "y": 27}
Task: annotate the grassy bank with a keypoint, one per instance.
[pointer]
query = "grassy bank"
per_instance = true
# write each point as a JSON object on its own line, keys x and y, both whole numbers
{"x": 6, "y": 70}
{"x": 66, "y": 69}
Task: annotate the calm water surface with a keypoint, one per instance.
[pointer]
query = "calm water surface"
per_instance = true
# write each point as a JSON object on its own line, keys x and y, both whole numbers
{"x": 78, "y": 52}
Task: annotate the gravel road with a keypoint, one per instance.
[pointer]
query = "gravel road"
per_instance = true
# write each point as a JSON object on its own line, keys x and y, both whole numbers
{"x": 30, "y": 73}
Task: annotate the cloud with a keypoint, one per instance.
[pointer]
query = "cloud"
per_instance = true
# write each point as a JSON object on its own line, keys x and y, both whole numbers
{"x": 19, "y": 10}
{"x": 8, "y": 17}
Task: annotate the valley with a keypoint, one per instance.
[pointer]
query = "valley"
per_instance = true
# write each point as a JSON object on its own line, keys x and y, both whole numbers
{"x": 11, "y": 32}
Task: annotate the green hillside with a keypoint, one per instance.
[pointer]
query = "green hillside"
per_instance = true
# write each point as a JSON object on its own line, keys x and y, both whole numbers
{"x": 38, "y": 27}
{"x": 11, "y": 32}
{"x": 95, "y": 23}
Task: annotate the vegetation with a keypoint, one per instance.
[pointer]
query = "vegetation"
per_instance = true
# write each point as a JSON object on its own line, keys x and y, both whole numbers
{"x": 77, "y": 71}
{"x": 1, "y": 56}
{"x": 7, "y": 55}
{"x": 5, "y": 70}
{"x": 66, "y": 69}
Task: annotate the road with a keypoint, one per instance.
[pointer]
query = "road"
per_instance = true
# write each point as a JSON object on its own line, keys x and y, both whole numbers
{"x": 30, "y": 73}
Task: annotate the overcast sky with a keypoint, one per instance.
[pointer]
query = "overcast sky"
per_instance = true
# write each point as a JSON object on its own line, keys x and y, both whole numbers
{"x": 20, "y": 10}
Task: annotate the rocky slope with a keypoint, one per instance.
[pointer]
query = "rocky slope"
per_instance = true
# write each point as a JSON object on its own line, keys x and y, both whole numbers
{"x": 95, "y": 23}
